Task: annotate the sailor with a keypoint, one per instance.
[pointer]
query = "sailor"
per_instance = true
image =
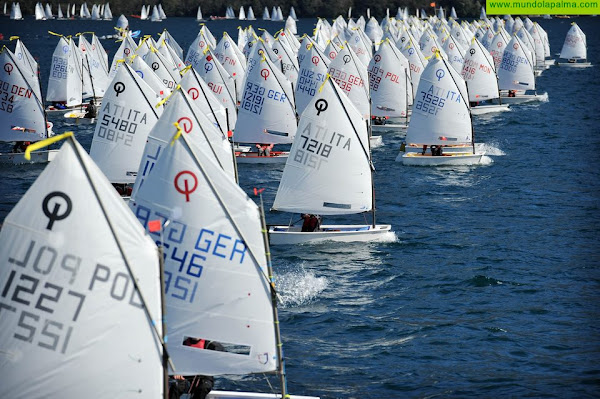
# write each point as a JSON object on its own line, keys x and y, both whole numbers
{"x": 311, "y": 222}
{"x": 90, "y": 110}
{"x": 264, "y": 150}
{"x": 20, "y": 146}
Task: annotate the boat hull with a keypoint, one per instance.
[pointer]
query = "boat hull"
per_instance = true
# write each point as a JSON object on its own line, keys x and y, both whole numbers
{"x": 524, "y": 98}
{"x": 78, "y": 117}
{"x": 574, "y": 64}
{"x": 19, "y": 157}
{"x": 253, "y": 157}
{"x": 249, "y": 395}
{"x": 289, "y": 235}
{"x": 457, "y": 159}
{"x": 488, "y": 109}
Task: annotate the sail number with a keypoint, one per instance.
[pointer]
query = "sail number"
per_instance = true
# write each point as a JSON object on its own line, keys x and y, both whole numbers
{"x": 510, "y": 62}
{"x": 429, "y": 103}
{"x": 34, "y": 300}
{"x": 253, "y": 98}
{"x": 186, "y": 253}
{"x": 8, "y": 93}
{"x": 345, "y": 81}
{"x": 309, "y": 81}
{"x": 60, "y": 67}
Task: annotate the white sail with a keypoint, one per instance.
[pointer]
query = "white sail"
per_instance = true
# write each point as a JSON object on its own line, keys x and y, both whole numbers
{"x": 155, "y": 16}
{"x": 286, "y": 58}
{"x": 127, "y": 115}
{"x": 417, "y": 63}
{"x": 498, "y": 46}
{"x": 453, "y": 13}
{"x": 203, "y": 98}
{"x": 48, "y": 11}
{"x": 59, "y": 12}
{"x": 122, "y": 24}
{"x": 97, "y": 61}
{"x": 479, "y": 73}
{"x": 126, "y": 49}
{"x": 23, "y": 55}
{"x": 440, "y": 112}
{"x": 293, "y": 13}
{"x": 250, "y": 16}
{"x": 144, "y": 13}
{"x": 361, "y": 47}
{"x": 199, "y": 16}
{"x": 40, "y": 14}
{"x": 215, "y": 297}
{"x": 21, "y": 110}
{"x": 161, "y": 12}
{"x": 145, "y": 72}
{"x": 328, "y": 170}
{"x": 266, "y": 15}
{"x": 454, "y": 52}
{"x": 107, "y": 14}
{"x": 87, "y": 88}
{"x": 352, "y": 77}
{"x": 95, "y": 14}
{"x": 313, "y": 71}
{"x": 195, "y": 53}
{"x": 201, "y": 132}
{"x": 266, "y": 113}
{"x": 232, "y": 59}
{"x": 575, "y": 46}
{"x": 279, "y": 14}
{"x": 515, "y": 71}
{"x": 388, "y": 78}
{"x": 65, "y": 80}
{"x": 220, "y": 82}
{"x": 84, "y": 12}
{"x": 82, "y": 318}
{"x": 168, "y": 73}
{"x": 290, "y": 24}
{"x": 167, "y": 38}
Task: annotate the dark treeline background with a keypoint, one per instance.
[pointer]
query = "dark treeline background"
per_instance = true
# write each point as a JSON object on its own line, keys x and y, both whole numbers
{"x": 304, "y": 8}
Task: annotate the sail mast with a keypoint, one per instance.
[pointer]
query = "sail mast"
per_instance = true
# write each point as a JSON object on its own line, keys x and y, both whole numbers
{"x": 280, "y": 359}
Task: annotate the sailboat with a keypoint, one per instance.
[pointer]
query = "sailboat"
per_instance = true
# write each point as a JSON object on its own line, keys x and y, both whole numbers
{"x": 574, "y": 50}
{"x": 199, "y": 16}
{"x": 313, "y": 70}
{"x": 226, "y": 299}
{"x": 65, "y": 83}
{"x": 479, "y": 73}
{"x": 516, "y": 78}
{"x": 88, "y": 320}
{"x": 22, "y": 116}
{"x": 390, "y": 87}
{"x": 329, "y": 172}
{"x": 440, "y": 119}
{"x": 242, "y": 14}
{"x": 127, "y": 115}
{"x": 267, "y": 113}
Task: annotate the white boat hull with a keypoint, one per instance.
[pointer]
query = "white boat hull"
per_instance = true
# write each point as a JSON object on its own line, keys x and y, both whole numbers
{"x": 389, "y": 126}
{"x": 457, "y": 149}
{"x": 458, "y": 159}
{"x": 19, "y": 157}
{"x": 289, "y": 235}
{"x": 248, "y": 395}
{"x": 524, "y": 98}
{"x": 78, "y": 117}
{"x": 574, "y": 64}
{"x": 278, "y": 157}
{"x": 487, "y": 109}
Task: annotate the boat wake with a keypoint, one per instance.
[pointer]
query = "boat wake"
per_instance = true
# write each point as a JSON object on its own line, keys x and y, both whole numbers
{"x": 490, "y": 149}
{"x": 299, "y": 287}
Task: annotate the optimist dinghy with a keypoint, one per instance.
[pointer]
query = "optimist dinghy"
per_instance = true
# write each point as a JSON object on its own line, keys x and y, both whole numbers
{"x": 329, "y": 172}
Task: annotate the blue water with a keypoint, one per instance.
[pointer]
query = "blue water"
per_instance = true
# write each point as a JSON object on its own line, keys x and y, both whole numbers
{"x": 491, "y": 287}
